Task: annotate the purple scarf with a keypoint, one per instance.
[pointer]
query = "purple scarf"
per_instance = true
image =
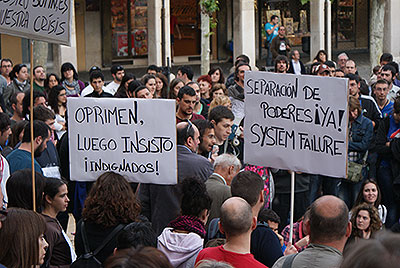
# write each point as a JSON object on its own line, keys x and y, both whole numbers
{"x": 190, "y": 224}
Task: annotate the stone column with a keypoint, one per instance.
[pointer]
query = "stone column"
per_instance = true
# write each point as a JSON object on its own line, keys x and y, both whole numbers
{"x": 244, "y": 35}
{"x": 67, "y": 53}
{"x": 167, "y": 33}
{"x": 154, "y": 32}
{"x": 317, "y": 26}
{"x": 391, "y": 30}
{"x": 328, "y": 28}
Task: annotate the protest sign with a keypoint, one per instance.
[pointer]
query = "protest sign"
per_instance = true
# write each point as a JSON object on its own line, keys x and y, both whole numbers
{"x": 296, "y": 122}
{"x": 133, "y": 137}
{"x": 44, "y": 20}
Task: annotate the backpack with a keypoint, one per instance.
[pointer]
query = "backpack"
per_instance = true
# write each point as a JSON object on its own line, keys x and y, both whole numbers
{"x": 88, "y": 259}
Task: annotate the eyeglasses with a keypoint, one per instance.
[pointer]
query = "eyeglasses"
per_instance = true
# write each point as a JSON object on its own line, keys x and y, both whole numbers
{"x": 190, "y": 125}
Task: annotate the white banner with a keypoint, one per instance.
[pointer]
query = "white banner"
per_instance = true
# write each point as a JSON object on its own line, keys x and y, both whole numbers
{"x": 44, "y": 20}
{"x": 296, "y": 122}
{"x": 133, "y": 137}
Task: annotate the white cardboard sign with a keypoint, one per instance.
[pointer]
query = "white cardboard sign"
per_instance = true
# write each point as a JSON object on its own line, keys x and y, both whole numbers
{"x": 133, "y": 137}
{"x": 296, "y": 122}
{"x": 45, "y": 20}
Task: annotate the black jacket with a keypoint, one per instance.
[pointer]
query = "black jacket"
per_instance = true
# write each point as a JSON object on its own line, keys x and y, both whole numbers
{"x": 291, "y": 68}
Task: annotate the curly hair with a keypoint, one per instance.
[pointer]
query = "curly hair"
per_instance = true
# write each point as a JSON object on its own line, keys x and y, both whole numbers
{"x": 111, "y": 201}
{"x": 375, "y": 222}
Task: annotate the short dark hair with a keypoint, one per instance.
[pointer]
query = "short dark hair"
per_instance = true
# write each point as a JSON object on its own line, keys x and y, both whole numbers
{"x": 395, "y": 66}
{"x": 186, "y": 69}
{"x": 7, "y": 60}
{"x": 364, "y": 89}
{"x": 247, "y": 185}
{"x": 273, "y": 17}
{"x": 40, "y": 129}
{"x": 183, "y": 133}
{"x": 42, "y": 113}
{"x": 353, "y": 77}
{"x": 38, "y": 66}
{"x": 267, "y": 214}
{"x": 116, "y": 68}
{"x": 13, "y": 98}
{"x": 5, "y": 122}
{"x": 280, "y": 58}
{"x": 132, "y": 86}
{"x": 330, "y": 64}
{"x": 153, "y": 67}
{"x": 382, "y": 81}
{"x": 95, "y": 75}
{"x": 137, "y": 234}
{"x": 219, "y": 113}
{"x": 19, "y": 189}
{"x": 186, "y": 90}
{"x": 202, "y": 125}
{"x": 386, "y": 57}
{"x": 137, "y": 89}
{"x": 194, "y": 197}
{"x": 237, "y": 220}
{"x": 327, "y": 229}
{"x": 26, "y": 101}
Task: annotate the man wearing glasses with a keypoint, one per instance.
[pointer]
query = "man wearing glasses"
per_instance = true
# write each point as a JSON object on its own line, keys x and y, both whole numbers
{"x": 6, "y": 67}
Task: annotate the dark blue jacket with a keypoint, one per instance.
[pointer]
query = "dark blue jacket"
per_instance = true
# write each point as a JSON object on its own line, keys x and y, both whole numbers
{"x": 362, "y": 133}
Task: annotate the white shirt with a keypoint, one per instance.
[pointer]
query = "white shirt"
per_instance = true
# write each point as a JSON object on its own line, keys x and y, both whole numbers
{"x": 112, "y": 87}
{"x": 393, "y": 92}
{"x": 296, "y": 67}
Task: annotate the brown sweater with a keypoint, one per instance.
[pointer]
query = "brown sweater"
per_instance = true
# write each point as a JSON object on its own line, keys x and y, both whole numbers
{"x": 58, "y": 253}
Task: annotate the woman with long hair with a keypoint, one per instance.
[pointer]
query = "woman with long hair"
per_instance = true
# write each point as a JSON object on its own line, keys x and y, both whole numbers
{"x": 123, "y": 86}
{"x": 321, "y": 56}
{"x": 57, "y": 101}
{"x": 161, "y": 86}
{"x": 110, "y": 204}
{"x": 365, "y": 222}
{"x": 371, "y": 194}
{"x": 60, "y": 252}
{"x": 149, "y": 81}
{"x": 70, "y": 81}
{"x": 174, "y": 87}
{"x": 217, "y": 76}
{"x": 51, "y": 81}
{"x": 188, "y": 229}
{"x": 22, "y": 242}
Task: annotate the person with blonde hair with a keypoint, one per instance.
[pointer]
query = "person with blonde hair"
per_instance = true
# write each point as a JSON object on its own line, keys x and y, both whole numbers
{"x": 220, "y": 100}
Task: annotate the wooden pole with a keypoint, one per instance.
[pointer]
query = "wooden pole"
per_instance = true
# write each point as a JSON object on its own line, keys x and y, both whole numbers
{"x": 292, "y": 180}
{"x": 32, "y": 135}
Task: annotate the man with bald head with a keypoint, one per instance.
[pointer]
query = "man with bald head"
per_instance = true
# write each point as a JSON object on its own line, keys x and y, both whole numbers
{"x": 161, "y": 203}
{"x": 237, "y": 222}
{"x": 329, "y": 228}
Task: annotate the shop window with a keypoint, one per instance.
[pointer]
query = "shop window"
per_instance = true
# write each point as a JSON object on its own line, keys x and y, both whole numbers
{"x": 129, "y": 28}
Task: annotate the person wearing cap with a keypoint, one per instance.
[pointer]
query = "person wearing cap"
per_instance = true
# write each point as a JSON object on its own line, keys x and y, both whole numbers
{"x": 117, "y": 72}
{"x": 89, "y": 89}
{"x": 323, "y": 70}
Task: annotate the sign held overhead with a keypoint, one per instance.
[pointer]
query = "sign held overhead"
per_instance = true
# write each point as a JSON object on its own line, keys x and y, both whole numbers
{"x": 296, "y": 122}
{"x": 48, "y": 21}
{"x": 124, "y": 136}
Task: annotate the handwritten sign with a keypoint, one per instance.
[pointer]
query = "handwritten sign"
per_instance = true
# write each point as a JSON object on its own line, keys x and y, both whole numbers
{"x": 45, "y": 20}
{"x": 133, "y": 137}
{"x": 296, "y": 122}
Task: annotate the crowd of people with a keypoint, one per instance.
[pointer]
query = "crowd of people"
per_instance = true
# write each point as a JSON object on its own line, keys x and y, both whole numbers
{"x": 223, "y": 212}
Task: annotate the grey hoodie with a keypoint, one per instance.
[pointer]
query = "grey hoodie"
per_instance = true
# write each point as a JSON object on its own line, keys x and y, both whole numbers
{"x": 180, "y": 248}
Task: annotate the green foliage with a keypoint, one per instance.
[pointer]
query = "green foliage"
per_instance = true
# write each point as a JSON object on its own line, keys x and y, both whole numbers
{"x": 209, "y": 7}
{"x": 303, "y": 2}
